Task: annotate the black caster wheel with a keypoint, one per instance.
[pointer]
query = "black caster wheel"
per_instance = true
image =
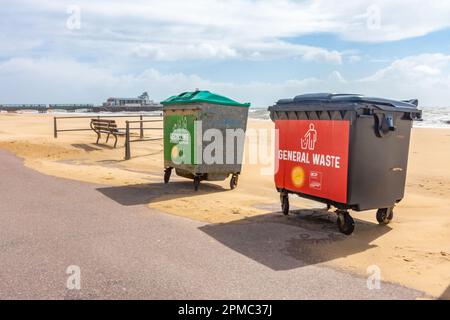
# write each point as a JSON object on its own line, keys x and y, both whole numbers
{"x": 167, "y": 173}
{"x": 284, "y": 198}
{"x": 196, "y": 183}
{"x": 385, "y": 215}
{"x": 234, "y": 181}
{"x": 345, "y": 222}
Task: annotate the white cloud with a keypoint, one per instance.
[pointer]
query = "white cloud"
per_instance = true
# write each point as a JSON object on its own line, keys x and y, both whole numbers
{"x": 172, "y": 52}
{"x": 273, "y": 19}
{"x": 172, "y": 30}
{"x": 385, "y": 20}
{"x": 66, "y": 81}
{"x": 354, "y": 58}
{"x": 249, "y": 51}
{"x": 426, "y": 77}
{"x": 427, "y": 70}
{"x": 223, "y": 29}
{"x": 414, "y": 68}
{"x": 336, "y": 76}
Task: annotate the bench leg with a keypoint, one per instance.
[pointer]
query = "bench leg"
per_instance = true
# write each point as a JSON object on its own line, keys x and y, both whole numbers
{"x": 115, "y": 143}
{"x": 107, "y": 138}
{"x": 98, "y": 138}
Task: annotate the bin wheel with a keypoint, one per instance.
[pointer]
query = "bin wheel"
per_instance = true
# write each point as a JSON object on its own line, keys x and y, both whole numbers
{"x": 284, "y": 198}
{"x": 345, "y": 222}
{"x": 167, "y": 173}
{"x": 234, "y": 181}
{"x": 196, "y": 183}
{"x": 385, "y": 215}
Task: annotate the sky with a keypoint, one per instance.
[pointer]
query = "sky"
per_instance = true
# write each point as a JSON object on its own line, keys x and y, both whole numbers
{"x": 254, "y": 51}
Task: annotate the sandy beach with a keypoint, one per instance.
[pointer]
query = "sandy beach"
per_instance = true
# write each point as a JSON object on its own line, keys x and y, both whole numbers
{"x": 414, "y": 250}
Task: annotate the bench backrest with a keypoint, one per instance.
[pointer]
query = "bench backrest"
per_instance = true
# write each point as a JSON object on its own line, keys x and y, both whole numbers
{"x": 104, "y": 125}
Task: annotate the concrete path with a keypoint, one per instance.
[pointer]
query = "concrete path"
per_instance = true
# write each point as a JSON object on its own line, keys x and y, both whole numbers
{"x": 129, "y": 251}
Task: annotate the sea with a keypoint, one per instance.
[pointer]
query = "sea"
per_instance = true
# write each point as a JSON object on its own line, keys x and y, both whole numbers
{"x": 432, "y": 117}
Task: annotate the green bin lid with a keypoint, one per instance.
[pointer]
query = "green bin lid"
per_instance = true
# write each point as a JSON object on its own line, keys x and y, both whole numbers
{"x": 202, "y": 96}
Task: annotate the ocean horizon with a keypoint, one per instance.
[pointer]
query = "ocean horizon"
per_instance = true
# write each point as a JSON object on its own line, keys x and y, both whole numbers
{"x": 433, "y": 117}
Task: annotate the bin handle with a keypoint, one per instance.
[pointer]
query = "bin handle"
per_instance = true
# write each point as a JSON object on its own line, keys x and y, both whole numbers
{"x": 384, "y": 124}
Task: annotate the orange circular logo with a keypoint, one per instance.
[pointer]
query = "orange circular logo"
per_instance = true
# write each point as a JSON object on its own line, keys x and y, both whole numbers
{"x": 298, "y": 176}
{"x": 175, "y": 153}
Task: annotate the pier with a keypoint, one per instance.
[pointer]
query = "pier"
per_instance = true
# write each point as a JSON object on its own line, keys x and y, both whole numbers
{"x": 44, "y": 108}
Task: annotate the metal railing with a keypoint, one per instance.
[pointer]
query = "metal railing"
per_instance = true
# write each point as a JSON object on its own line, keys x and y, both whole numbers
{"x": 128, "y": 128}
{"x": 141, "y": 135}
{"x": 56, "y": 130}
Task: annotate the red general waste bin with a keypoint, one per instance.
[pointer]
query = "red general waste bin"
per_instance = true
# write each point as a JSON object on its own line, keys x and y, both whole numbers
{"x": 347, "y": 151}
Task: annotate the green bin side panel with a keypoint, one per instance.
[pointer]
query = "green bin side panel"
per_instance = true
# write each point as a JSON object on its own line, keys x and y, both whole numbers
{"x": 179, "y": 139}
{"x": 212, "y": 116}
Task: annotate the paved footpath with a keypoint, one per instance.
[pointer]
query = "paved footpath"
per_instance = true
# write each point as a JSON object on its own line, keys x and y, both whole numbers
{"x": 127, "y": 251}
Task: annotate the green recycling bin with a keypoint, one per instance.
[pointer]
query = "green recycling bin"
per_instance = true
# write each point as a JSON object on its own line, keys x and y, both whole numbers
{"x": 204, "y": 137}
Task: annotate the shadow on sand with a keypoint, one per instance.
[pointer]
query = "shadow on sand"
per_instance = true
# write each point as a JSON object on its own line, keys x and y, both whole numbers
{"x": 303, "y": 238}
{"x": 446, "y": 294}
{"x": 86, "y": 147}
{"x": 146, "y": 193}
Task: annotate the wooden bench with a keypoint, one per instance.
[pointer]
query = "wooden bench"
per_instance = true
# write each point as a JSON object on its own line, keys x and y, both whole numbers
{"x": 108, "y": 127}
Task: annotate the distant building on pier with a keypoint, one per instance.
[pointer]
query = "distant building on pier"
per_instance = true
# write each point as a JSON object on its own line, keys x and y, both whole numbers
{"x": 142, "y": 101}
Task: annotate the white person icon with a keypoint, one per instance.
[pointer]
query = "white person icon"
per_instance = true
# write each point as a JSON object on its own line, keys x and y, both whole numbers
{"x": 310, "y": 138}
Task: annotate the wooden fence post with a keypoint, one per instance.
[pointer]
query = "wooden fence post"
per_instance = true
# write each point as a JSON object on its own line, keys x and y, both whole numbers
{"x": 127, "y": 141}
{"x": 55, "y": 128}
{"x": 141, "y": 127}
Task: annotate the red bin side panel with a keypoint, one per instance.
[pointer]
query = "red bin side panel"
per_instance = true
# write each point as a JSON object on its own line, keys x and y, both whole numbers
{"x": 312, "y": 157}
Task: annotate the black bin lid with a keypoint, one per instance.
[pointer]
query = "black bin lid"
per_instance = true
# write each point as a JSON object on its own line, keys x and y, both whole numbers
{"x": 342, "y": 101}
